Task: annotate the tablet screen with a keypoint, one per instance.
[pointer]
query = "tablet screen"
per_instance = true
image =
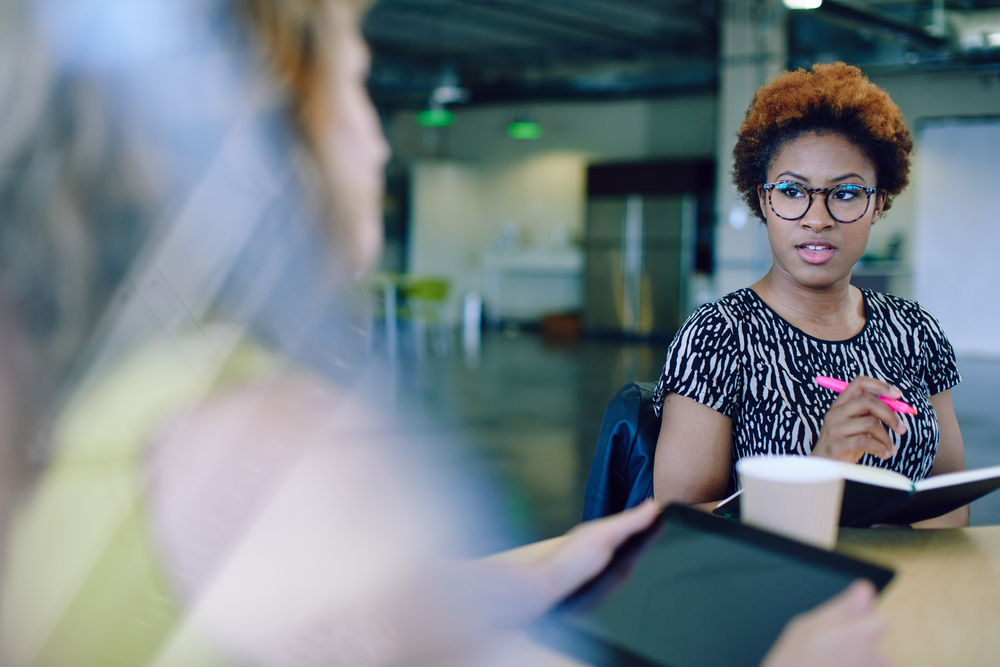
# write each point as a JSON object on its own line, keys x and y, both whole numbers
{"x": 696, "y": 590}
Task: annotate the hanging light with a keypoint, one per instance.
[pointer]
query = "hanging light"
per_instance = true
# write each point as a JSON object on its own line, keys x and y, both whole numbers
{"x": 802, "y": 4}
{"x": 524, "y": 128}
{"x": 435, "y": 116}
{"x": 447, "y": 92}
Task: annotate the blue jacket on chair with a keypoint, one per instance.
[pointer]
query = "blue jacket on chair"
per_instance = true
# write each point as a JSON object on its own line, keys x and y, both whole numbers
{"x": 621, "y": 475}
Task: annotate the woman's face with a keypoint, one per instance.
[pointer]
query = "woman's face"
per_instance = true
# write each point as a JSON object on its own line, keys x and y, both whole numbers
{"x": 816, "y": 250}
{"x": 353, "y": 149}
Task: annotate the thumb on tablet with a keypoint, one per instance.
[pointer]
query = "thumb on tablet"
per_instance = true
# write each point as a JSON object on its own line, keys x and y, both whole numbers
{"x": 844, "y": 631}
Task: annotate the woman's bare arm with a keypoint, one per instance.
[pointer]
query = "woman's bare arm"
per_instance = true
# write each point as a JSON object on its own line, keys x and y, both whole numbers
{"x": 693, "y": 453}
{"x": 950, "y": 458}
{"x": 290, "y": 526}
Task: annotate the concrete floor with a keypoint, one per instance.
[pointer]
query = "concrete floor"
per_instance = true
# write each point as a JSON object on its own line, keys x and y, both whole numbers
{"x": 529, "y": 412}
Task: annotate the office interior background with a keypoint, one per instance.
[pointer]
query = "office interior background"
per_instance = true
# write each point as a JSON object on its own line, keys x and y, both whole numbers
{"x": 560, "y": 175}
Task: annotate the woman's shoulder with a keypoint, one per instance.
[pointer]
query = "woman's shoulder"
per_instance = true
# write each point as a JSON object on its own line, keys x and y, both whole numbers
{"x": 736, "y": 309}
{"x": 738, "y": 304}
{"x": 895, "y": 308}
{"x": 711, "y": 315}
{"x": 714, "y": 323}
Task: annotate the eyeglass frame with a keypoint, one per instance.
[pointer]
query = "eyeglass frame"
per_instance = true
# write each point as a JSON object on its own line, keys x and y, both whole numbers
{"x": 869, "y": 191}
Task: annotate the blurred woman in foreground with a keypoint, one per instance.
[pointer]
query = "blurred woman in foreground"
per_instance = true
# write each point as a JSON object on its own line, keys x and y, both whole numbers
{"x": 220, "y": 487}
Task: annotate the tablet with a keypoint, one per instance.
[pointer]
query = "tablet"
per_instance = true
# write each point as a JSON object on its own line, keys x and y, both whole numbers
{"x": 697, "y": 590}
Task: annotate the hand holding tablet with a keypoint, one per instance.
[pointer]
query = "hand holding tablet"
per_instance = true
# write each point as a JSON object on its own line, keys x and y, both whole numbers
{"x": 698, "y": 590}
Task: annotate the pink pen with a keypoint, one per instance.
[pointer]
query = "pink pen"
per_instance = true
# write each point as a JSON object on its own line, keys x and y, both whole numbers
{"x": 833, "y": 384}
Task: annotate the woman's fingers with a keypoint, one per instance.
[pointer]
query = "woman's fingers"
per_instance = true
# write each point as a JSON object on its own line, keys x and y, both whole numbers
{"x": 868, "y": 434}
{"x": 875, "y": 387}
{"x": 518, "y": 592}
{"x": 848, "y": 439}
{"x": 856, "y": 423}
{"x": 861, "y": 436}
{"x": 845, "y": 630}
{"x": 863, "y": 394}
{"x": 589, "y": 547}
{"x": 853, "y": 601}
{"x": 617, "y": 528}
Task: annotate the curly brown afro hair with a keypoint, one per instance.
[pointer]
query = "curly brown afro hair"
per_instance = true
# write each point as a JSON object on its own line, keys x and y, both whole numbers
{"x": 835, "y": 98}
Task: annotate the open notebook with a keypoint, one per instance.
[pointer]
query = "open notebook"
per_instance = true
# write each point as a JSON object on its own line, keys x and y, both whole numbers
{"x": 877, "y": 496}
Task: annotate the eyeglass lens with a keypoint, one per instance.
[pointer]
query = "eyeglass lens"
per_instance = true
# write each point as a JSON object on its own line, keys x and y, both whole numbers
{"x": 845, "y": 203}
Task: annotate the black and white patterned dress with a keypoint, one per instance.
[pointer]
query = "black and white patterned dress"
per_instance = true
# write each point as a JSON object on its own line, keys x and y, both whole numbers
{"x": 741, "y": 358}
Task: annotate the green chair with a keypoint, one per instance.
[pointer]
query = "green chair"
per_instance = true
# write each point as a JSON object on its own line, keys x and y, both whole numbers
{"x": 425, "y": 299}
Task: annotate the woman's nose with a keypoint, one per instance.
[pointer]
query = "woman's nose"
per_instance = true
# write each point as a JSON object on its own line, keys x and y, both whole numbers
{"x": 818, "y": 218}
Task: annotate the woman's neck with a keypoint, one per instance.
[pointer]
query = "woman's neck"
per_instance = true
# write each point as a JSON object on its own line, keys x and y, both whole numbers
{"x": 836, "y": 312}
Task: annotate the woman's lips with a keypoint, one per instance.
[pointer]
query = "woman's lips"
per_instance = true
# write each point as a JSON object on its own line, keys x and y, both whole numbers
{"x": 815, "y": 252}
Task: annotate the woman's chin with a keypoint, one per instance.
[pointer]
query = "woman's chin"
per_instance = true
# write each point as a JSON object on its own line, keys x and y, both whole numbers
{"x": 817, "y": 276}
{"x": 367, "y": 245}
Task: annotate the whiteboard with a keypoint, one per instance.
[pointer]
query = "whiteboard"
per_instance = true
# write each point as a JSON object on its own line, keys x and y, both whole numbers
{"x": 957, "y": 231}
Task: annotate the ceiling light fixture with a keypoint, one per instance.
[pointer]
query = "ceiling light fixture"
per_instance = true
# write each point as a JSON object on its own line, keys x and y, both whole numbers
{"x": 446, "y": 92}
{"x": 802, "y": 4}
{"x": 435, "y": 116}
{"x": 524, "y": 129}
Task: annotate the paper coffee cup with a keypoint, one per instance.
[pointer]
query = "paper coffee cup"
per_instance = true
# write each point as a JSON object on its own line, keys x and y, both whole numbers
{"x": 794, "y": 496}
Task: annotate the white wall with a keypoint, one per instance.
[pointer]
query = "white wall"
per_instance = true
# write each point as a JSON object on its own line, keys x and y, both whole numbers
{"x": 958, "y": 232}
{"x": 446, "y": 231}
{"x": 459, "y": 209}
{"x": 921, "y": 97}
{"x": 542, "y": 195}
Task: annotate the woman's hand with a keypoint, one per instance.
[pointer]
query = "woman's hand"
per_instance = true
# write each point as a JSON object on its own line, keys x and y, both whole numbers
{"x": 588, "y": 548}
{"x": 843, "y": 631}
{"x": 516, "y": 591}
{"x": 855, "y": 424}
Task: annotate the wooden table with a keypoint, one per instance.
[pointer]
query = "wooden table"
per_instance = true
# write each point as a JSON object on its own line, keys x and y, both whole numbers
{"x": 943, "y": 605}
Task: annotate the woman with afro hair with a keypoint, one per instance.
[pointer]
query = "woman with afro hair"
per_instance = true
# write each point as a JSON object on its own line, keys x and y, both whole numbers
{"x": 819, "y": 159}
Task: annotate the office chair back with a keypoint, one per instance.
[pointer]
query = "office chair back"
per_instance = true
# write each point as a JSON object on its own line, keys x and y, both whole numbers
{"x": 621, "y": 475}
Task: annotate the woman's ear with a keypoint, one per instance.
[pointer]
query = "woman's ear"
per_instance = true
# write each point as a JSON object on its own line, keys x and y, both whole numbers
{"x": 880, "y": 198}
{"x": 762, "y": 201}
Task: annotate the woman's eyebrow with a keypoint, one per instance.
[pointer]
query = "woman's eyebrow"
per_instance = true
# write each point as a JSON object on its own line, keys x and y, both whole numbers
{"x": 805, "y": 179}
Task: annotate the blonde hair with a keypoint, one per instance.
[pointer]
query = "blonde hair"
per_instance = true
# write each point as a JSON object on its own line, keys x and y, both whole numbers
{"x": 296, "y": 42}
{"x": 298, "y": 47}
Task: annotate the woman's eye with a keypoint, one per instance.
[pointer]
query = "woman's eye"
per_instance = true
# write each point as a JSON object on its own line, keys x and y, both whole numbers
{"x": 791, "y": 191}
{"x": 845, "y": 193}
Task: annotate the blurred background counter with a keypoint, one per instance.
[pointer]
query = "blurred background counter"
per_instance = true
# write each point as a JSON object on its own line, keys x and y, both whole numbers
{"x": 524, "y": 285}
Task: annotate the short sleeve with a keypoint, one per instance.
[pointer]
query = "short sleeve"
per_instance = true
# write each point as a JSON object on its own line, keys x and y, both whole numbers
{"x": 941, "y": 370}
{"x": 702, "y": 362}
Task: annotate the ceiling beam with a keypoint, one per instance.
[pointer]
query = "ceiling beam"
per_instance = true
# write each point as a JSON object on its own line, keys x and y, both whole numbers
{"x": 571, "y": 33}
{"x": 861, "y": 13}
